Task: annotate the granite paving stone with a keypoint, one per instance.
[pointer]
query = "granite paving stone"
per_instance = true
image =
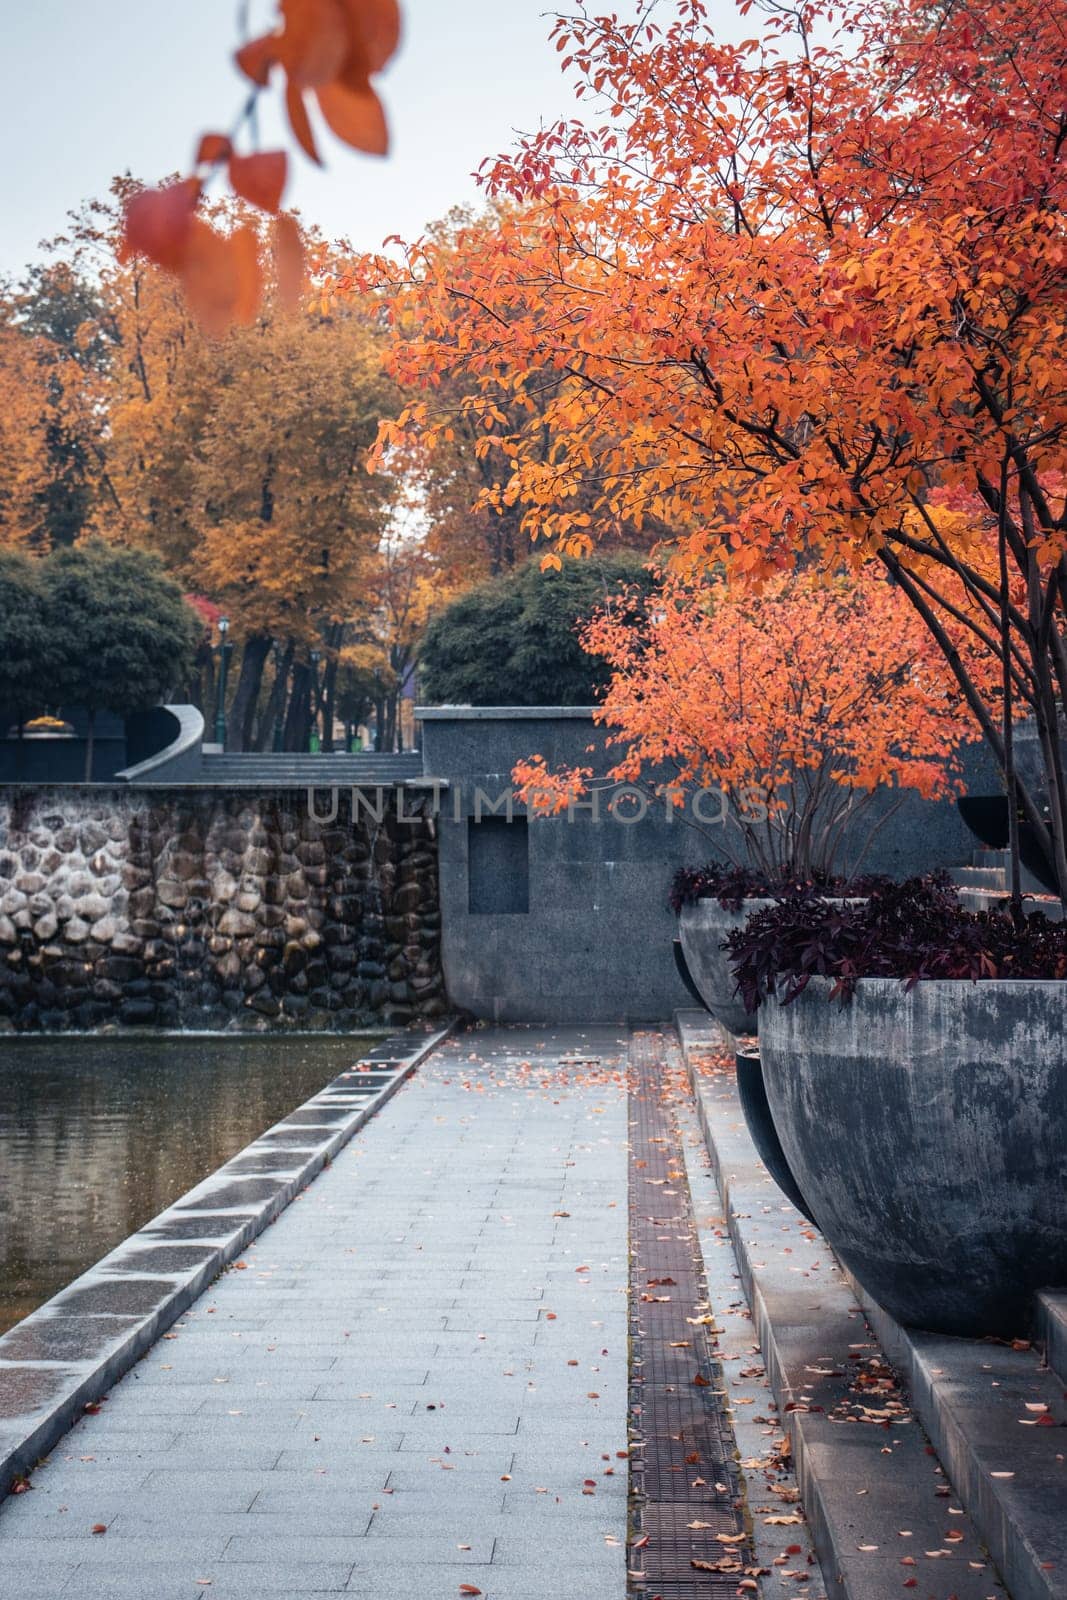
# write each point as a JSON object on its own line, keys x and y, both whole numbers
{"x": 281, "y": 1441}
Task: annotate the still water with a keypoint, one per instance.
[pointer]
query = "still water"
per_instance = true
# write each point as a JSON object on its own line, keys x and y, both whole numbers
{"x": 98, "y": 1135}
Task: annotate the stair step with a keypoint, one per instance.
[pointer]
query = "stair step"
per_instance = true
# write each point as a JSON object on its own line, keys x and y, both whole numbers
{"x": 991, "y": 878}
{"x": 1052, "y": 1323}
{"x": 971, "y": 1398}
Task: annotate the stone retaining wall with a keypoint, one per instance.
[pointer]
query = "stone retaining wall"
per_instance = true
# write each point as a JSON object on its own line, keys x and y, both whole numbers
{"x": 201, "y": 909}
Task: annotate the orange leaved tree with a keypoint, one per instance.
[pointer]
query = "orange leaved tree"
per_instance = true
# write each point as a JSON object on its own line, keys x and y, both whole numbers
{"x": 793, "y": 711}
{"x": 810, "y": 286}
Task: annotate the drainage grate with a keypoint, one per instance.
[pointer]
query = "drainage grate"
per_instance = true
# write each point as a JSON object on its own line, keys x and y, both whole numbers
{"x": 683, "y": 1469}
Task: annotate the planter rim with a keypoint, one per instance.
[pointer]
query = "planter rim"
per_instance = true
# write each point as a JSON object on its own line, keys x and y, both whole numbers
{"x": 770, "y": 898}
{"x": 953, "y": 983}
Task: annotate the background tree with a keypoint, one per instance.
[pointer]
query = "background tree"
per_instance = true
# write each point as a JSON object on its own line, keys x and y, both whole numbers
{"x": 23, "y": 451}
{"x": 287, "y": 519}
{"x": 240, "y": 458}
{"x": 25, "y": 642}
{"x": 73, "y": 337}
{"x": 515, "y": 640}
{"x": 123, "y": 636}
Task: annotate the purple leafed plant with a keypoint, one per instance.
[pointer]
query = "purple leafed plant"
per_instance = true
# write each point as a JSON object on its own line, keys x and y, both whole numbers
{"x": 731, "y": 885}
{"x": 911, "y": 930}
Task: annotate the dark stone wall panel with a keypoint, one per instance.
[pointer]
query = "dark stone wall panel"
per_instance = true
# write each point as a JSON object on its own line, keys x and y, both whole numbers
{"x": 206, "y": 909}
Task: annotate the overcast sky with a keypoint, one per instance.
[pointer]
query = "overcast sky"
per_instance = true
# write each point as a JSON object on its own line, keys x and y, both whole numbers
{"x": 93, "y": 87}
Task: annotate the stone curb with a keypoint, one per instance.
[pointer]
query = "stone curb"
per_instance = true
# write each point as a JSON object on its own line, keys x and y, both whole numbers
{"x": 869, "y": 1484}
{"x": 69, "y": 1352}
{"x": 1052, "y": 1327}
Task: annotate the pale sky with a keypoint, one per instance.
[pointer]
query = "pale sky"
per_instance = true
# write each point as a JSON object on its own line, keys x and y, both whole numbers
{"x": 93, "y": 87}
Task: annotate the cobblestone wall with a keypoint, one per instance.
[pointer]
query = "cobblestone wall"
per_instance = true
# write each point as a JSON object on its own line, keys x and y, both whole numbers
{"x": 197, "y": 910}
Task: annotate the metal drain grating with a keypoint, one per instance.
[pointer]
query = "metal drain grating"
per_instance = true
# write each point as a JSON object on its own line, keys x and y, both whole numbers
{"x": 683, "y": 1470}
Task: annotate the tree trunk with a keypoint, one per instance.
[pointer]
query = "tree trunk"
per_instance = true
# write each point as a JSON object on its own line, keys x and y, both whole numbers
{"x": 205, "y": 660}
{"x": 328, "y": 699}
{"x": 297, "y": 719}
{"x": 90, "y": 734}
{"x": 275, "y": 706}
{"x": 249, "y": 680}
{"x": 379, "y": 725}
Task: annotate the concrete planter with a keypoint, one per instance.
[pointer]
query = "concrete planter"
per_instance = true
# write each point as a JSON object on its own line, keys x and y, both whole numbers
{"x": 702, "y": 926}
{"x": 752, "y": 1094}
{"x": 928, "y": 1133}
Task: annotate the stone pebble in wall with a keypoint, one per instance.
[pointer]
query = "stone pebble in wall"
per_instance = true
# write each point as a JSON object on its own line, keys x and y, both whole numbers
{"x": 206, "y": 910}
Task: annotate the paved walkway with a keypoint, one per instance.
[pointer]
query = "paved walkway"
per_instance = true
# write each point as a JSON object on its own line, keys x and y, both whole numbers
{"x": 417, "y": 1382}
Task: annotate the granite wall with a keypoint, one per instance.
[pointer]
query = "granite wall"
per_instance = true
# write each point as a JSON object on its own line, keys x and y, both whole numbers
{"x": 565, "y": 920}
{"x": 201, "y": 909}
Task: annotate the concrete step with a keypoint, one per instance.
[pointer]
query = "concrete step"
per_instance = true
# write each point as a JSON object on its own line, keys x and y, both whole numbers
{"x": 990, "y": 858}
{"x": 296, "y": 770}
{"x": 879, "y": 1504}
{"x": 979, "y": 1404}
{"x": 992, "y": 878}
{"x": 989, "y": 900}
{"x": 1052, "y": 1326}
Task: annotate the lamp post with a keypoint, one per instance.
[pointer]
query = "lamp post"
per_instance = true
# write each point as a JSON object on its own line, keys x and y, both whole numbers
{"x": 279, "y": 714}
{"x": 225, "y": 652}
{"x": 313, "y": 687}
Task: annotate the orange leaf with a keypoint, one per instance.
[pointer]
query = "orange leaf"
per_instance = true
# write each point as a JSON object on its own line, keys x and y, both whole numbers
{"x": 245, "y": 245}
{"x": 315, "y": 42}
{"x": 212, "y": 147}
{"x": 300, "y": 123}
{"x": 99, "y": 1527}
{"x": 158, "y": 222}
{"x": 468, "y": 1588}
{"x": 356, "y": 117}
{"x": 373, "y": 35}
{"x": 288, "y": 260}
{"x": 256, "y": 58}
{"x": 211, "y": 277}
{"x": 260, "y": 178}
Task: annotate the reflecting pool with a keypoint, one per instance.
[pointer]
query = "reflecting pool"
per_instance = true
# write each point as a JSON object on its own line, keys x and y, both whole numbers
{"x": 99, "y": 1134}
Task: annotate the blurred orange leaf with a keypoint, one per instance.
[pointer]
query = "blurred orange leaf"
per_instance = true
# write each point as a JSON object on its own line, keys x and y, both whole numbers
{"x": 158, "y": 222}
{"x": 212, "y": 147}
{"x": 245, "y": 246}
{"x": 288, "y": 260}
{"x": 256, "y": 58}
{"x": 356, "y": 116}
{"x": 300, "y": 123}
{"x": 315, "y": 42}
{"x": 374, "y": 28}
{"x": 211, "y": 277}
{"x": 260, "y": 178}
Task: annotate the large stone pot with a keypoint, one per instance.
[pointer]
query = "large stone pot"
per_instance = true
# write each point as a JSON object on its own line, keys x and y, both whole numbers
{"x": 757, "y": 1113}
{"x": 928, "y": 1133}
{"x": 702, "y": 926}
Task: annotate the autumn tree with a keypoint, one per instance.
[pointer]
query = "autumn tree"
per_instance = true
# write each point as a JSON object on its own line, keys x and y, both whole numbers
{"x": 286, "y": 517}
{"x": 460, "y": 460}
{"x": 73, "y": 341}
{"x": 795, "y": 710}
{"x": 811, "y": 284}
{"x": 23, "y": 449}
{"x": 239, "y": 459}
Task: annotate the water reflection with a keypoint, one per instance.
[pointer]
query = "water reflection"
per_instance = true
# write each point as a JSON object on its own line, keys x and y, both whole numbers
{"x": 98, "y": 1135}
